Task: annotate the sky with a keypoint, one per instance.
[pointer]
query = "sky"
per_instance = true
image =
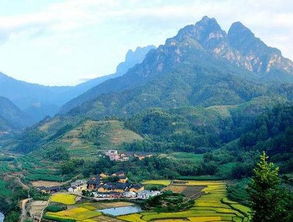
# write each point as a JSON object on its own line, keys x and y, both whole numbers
{"x": 65, "y": 42}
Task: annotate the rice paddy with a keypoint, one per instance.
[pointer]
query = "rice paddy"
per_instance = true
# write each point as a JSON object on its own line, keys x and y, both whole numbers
{"x": 212, "y": 205}
{"x": 74, "y": 214}
{"x": 157, "y": 182}
{"x": 63, "y": 198}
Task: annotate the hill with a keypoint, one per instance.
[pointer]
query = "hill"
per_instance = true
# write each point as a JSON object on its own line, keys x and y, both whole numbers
{"x": 11, "y": 117}
{"x": 189, "y": 129}
{"x": 201, "y": 65}
{"x": 82, "y": 138}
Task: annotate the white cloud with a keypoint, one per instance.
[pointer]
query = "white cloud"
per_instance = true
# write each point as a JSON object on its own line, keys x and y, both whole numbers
{"x": 71, "y": 14}
{"x": 134, "y": 21}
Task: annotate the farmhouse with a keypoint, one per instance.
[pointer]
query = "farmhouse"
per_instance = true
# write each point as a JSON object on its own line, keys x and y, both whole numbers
{"x": 103, "y": 187}
{"x": 120, "y": 174}
{"x": 108, "y": 195}
{"x": 129, "y": 194}
{"x": 94, "y": 183}
{"x": 78, "y": 186}
{"x": 136, "y": 187}
{"x": 115, "y": 156}
{"x": 114, "y": 187}
{"x": 142, "y": 155}
{"x": 49, "y": 190}
{"x": 146, "y": 194}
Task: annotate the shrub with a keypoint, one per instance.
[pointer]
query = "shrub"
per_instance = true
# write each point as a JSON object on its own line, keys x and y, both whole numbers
{"x": 56, "y": 207}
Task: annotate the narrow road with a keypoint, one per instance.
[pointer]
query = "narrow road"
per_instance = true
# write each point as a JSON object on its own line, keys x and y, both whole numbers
{"x": 23, "y": 209}
{"x": 17, "y": 180}
{"x": 42, "y": 212}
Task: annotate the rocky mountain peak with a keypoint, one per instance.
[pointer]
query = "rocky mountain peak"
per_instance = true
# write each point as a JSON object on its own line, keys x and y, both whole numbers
{"x": 206, "y": 33}
{"x": 243, "y": 39}
{"x": 237, "y": 30}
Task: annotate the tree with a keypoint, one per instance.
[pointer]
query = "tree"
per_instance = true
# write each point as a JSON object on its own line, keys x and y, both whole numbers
{"x": 266, "y": 196}
{"x": 58, "y": 153}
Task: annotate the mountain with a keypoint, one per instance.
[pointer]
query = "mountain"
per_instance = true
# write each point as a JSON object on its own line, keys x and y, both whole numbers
{"x": 40, "y": 101}
{"x": 199, "y": 66}
{"x": 132, "y": 58}
{"x": 11, "y": 117}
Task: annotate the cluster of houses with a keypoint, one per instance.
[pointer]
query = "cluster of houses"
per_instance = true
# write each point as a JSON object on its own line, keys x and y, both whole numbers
{"x": 112, "y": 186}
{"x": 114, "y": 155}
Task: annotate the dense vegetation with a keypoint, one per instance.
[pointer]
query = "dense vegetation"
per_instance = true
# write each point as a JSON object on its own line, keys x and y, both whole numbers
{"x": 273, "y": 133}
{"x": 10, "y": 194}
{"x": 168, "y": 202}
{"x": 270, "y": 202}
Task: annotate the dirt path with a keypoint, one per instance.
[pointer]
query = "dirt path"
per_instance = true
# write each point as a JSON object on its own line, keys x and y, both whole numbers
{"x": 42, "y": 212}
{"x": 23, "y": 209}
{"x": 17, "y": 180}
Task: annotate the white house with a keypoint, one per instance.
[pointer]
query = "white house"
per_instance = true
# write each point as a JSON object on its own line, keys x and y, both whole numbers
{"x": 146, "y": 194}
{"x": 78, "y": 186}
{"x": 129, "y": 194}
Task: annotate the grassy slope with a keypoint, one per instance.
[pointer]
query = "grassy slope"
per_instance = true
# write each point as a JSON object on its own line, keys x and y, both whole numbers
{"x": 112, "y": 135}
{"x": 83, "y": 138}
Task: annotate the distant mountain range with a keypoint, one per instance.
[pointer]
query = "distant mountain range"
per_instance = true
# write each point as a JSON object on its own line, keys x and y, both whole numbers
{"x": 201, "y": 65}
{"x": 11, "y": 117}
{"x": 39, "y": 101}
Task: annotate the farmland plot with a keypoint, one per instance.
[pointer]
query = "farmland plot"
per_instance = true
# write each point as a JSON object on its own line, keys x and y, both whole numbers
{"x": 212, "y": 205}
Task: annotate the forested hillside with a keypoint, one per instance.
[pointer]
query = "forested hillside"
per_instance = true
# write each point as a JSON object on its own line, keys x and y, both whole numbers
{"x": 193, "y": 68}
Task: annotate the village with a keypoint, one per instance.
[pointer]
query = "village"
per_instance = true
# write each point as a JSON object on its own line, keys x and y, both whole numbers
{"x": 115, "y": 155}
{"x": 104, "y": 187}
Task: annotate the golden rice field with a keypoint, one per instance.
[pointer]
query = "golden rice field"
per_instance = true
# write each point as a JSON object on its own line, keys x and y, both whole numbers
{"x": 213, "y": 205}
{"x": 157, "y": 182}
{"x": 77, "y": 214}
{"x": 64, "y": 198}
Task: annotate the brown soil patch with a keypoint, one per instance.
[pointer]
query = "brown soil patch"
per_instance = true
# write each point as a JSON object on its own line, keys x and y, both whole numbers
{"x": 36, "y": 208}
{"x": 42, "y": 183}
{"x": 189, "y": 191}
{"x": 105, "y": 219}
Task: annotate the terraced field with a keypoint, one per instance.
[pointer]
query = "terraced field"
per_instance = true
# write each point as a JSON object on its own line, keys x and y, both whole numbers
{"x": 63, "y": 198}
{"x": 213, "y": 205}
{"x": 85, "y": 212}
{"x": 75, "y": 214}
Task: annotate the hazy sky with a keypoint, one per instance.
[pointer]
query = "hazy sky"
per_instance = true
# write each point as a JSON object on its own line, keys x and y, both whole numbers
{"x": 61, "y": 42}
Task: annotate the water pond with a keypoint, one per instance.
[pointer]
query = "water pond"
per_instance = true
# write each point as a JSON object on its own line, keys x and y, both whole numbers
{"x": 118, "y": 211}
{"x": 1, "y": 217}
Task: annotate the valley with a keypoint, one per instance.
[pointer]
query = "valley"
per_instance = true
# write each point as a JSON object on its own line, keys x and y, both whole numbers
{"x": 180, "y": 132}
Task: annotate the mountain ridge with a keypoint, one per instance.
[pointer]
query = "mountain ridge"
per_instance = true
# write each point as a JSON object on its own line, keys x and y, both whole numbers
{"x": 198, "y": 53}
